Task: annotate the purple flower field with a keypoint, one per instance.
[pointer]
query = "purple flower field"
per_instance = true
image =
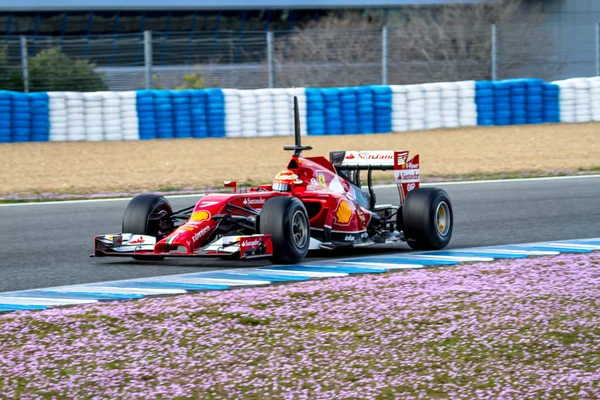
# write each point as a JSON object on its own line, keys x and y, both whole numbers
{"x": 524, "y": 329}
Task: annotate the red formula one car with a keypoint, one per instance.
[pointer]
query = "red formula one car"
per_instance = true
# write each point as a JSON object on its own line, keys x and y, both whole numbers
{"x": 314, "y": 204}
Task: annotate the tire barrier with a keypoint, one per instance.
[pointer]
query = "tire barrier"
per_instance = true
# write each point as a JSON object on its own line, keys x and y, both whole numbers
{"x": 215, "y": 113}
{"x": 516, "y": 102}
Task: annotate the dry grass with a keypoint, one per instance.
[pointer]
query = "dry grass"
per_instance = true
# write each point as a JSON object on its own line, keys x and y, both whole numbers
{"x": 75, "y": 167}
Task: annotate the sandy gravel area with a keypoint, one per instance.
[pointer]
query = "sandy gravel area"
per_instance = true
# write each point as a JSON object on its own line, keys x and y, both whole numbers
{"x": 98, "y": 167}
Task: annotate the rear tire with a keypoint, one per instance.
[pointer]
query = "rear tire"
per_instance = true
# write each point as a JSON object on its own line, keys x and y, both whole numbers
{"x": 427, "y": 219}
{"x": 286, "y": 220}
{"x": 148, "y": 214}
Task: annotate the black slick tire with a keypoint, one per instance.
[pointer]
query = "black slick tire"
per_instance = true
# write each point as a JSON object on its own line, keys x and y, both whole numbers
{"x": 142, "y": 218}
{"x": 427, "y": 219}
{"x": 286, "y": 220}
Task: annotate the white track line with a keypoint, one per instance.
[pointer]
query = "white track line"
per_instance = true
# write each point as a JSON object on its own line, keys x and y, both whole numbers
{"x": 39, "y": 301}
{"x": 387, "y": 266}
{"x": 98, "y": 288}
{"x": 84, "y": 201}
{"x": 183, "y": 196}
{"x": 543, "y": 178}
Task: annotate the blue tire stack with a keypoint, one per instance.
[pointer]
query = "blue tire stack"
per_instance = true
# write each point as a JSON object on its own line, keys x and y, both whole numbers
{"x": 502, "y": 103}
{"x": 550, "y": 103}
{"x": 349, "y": 110}
{"x": 315, "y": 112}
{"x": 535, "y": 110}
{"x": 20, "y": 117}
{"x": 518, "y": 110}
{"x": 215, "y": 113}
{"x": 5, "y": 117}
{"x": 198, "y": 113}
{"x": 182, "y": 119}
{"x": 40, "y": 117}
{"x": 366, "y": 118}
{"x": 163, "y": 109}
{"x": 333, "y": 117}
{"x": 146, "y": 115}
{"x": 382, "y": 109}
{"x": 484, "y": 100}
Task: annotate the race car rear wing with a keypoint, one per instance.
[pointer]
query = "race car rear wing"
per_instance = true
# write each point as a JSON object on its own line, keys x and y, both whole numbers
{"x": 380, "y": 160}
{"x": 406, "y": 172}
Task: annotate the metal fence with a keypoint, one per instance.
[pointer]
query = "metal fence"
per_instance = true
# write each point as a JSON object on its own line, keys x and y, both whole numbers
{"x": 314, "y": 57}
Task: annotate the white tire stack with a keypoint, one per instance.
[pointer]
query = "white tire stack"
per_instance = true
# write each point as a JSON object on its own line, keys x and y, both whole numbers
{"x": 94, "y": 124}
{"x": 467, "y": 109}
{"x": 111, "y": 116}
{"x": 450, "y": 104}
{"x": 300, "y": 93}
{"x": 266, "y": 120}
{"x": 129, "y": 117}
{"x": 233, "y": 113}
{"x": 595, "y": 97}
{"x": 249, "y": 113}
{"x": 399, "y": 108}
{"x": 583, "y": 110}
{"x": 415, "y": 107}
{"x": 57, "y": 110}
{"x": 281, "y": 112}
{"x": 433, "y": 105}
{"x": 75, "y": 116}
{"x": 566, "y": 100}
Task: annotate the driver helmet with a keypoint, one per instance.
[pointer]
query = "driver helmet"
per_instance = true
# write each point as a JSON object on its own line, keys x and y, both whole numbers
{"x": 284, "y": 180}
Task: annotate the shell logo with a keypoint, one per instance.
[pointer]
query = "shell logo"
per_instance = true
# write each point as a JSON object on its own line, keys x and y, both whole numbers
{"x": 201, "y": 215}
{"x": 343, "y": 213}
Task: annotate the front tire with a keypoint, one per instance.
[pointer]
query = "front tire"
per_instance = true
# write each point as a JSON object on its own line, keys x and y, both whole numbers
{"x": 286, "y": 220}
{"x": 148, "y": 214}
{"x": 428, "y": 219}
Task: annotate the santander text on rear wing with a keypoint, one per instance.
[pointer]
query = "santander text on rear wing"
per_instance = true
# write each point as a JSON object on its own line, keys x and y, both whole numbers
{"x": 380, "y": 160}
{"x": 406, "y": 172}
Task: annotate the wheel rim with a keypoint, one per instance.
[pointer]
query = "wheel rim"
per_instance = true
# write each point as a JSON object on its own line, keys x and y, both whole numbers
{"x": 159, "y": 218}
{"x": 443, "y": 219}
{"x": 299, "y": 229}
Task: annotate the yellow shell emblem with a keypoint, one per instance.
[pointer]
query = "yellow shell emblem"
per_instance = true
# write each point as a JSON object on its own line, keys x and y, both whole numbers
{"x": 343, "y": 213}
{"x": 202, "y": 215}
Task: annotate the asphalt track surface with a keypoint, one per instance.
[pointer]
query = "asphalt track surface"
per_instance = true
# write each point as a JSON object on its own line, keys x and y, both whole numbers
{"x": 48, "y": 244}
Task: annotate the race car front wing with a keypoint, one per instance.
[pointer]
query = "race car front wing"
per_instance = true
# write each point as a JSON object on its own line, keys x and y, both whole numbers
{"x": 128, "y": 245}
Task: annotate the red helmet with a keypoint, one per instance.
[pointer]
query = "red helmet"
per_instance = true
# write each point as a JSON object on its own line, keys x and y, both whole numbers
{"x": 283, "y": 181}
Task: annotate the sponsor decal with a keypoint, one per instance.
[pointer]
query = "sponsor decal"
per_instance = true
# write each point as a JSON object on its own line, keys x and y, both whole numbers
{"x": 409, "y": 176}
{"x": 410, "y": 186}
{"x": 361, "y": 216}
{"x": 343, "y": 214}
{"x": 349, "y": 238}
{"x": 185, "y": 228}
{"x": 412, "y": 166}
{"x": 200, "y": 233}
{"x": 402, "y": 157}
{"x": 138, "y": 240}
{"x": 201, "y": 215}
{"x": 322, "y": 180}
{"x": 252, "y": 243}
{"x": 250, "y": 200}
{"x": 382, "y": 157}
{"x": 364, "y": 235}
{"x": 370, "y": 155}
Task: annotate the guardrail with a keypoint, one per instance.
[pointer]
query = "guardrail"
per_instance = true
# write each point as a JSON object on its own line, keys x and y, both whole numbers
{"x": 166, "y": 114}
